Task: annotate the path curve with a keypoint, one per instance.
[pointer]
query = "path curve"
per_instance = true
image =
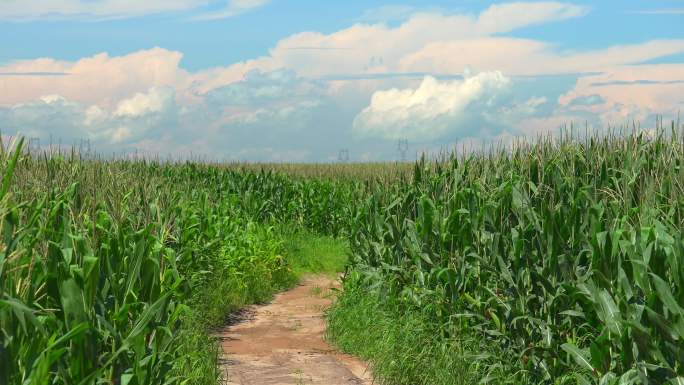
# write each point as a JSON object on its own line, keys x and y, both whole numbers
{"x": 282, "y": 342}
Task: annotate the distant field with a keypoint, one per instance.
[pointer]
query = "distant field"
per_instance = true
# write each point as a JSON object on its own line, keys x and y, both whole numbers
{"x": 350, "y": 171}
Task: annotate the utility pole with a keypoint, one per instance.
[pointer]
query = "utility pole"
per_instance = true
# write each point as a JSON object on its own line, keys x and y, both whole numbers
{"x": 84, "y": 148}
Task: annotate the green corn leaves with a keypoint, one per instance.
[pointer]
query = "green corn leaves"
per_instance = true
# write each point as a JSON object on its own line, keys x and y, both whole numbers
{"x": 565, "y": 254}
{"x": 579, "y": 356}
{"x": 563, "y": 257}
{"x": 665, "y": 295}
{"x": 105, "y": 266}
{"x": 10, "y": 164}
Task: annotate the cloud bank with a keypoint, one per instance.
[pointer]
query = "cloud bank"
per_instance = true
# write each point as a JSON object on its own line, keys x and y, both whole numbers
{"x": 433, "y": 78}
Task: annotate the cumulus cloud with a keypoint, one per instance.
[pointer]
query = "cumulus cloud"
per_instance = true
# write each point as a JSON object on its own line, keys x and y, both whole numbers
{"x": 430, "y": 110}
{"x": 99, "y": 79}
{"x": 486, "y": 106}
{"x": 264, "y": 107}
{"x": 142, "y": 104}
{"x": 276, "y": 97}
{"x": 50, "y": 115}
{"x": 363, "y": 48}
{"x": 262, "y": 86}
{"x": 107, "y": 9}
{"x": 424, "y": 43}
{"x": 621, "y": 95}
{"x": 314, "y": 93}
{"x": 144, "y": 114}
{"x": 442, "y": 44}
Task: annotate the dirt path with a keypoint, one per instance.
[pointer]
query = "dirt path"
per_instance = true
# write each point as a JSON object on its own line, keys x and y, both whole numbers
{"x": 282, "y": 342}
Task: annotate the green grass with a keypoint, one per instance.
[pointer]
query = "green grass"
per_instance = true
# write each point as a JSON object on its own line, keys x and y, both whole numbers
{"x": 309, "y": 253}
{"x": 402, "y": 346}
{"x": 242, "y": 280}
{"x": 255, "y": 280}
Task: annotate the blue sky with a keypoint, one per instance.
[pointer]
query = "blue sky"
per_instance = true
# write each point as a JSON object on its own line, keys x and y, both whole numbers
{"x": 215, "y": 43}
{"x": 298, "y": 80}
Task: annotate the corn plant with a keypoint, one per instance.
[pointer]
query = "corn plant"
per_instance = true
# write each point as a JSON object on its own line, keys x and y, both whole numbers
{"x": 106, "y": 265}
{"x": 564, "y": 257}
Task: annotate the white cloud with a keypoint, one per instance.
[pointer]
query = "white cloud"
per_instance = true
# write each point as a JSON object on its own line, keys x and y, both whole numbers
{"x": 622, "y": 95}
{"x": 430, "y": 110}
{"x": 94, "y": 115}
{"x": 53, "y": 99}
{"x": 55, "y": 116}
{"x": 364, "y": 49}
{"x": 234, "y": 8}
{"x": 271, "y": 106}
{"x": 426, "y": 42}
{"x": 141, "y": 104}
{"x": 514, "y": 113}
{"x": 285, "y": 103}
{"x": 46, "y": 117}
{"x": 278, "y": 96}
{"x": 434, "y": 43}
{"x": 99, "y": 79}
{"x": 121, "y": 134}
{"x": 509, "y": 16}
{"x": 107, "y": 9}
{"x": 528, "y": 57}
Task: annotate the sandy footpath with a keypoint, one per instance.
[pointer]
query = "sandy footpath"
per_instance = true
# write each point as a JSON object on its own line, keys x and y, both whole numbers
{"x": 282, "y": 342}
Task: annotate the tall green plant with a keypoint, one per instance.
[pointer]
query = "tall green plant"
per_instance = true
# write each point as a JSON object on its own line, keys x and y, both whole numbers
{"x": 563, "y": 255}
{"x": 106, "y": 266}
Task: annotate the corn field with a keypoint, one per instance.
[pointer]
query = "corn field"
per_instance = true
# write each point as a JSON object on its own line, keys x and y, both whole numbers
{"x": 113, "y": 272}
{"x": 564, "y": 259}
{"x": 559, "y": 262}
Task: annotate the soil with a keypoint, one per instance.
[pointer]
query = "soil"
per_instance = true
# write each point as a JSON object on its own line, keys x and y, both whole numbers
{"x": 283, "y": 342}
